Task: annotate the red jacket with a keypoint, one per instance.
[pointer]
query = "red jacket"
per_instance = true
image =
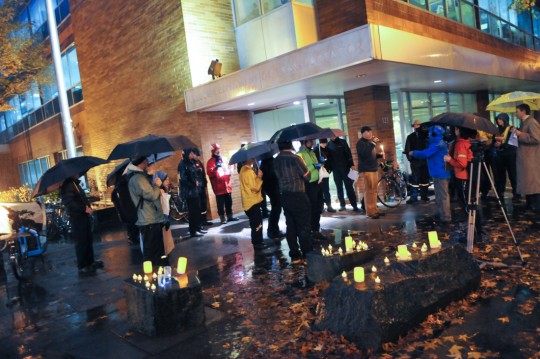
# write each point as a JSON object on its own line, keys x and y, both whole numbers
{"x": 461, "y": 158}
{"x": 220, "y": 175}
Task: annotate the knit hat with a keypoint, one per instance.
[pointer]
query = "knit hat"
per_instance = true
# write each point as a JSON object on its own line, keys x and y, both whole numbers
{"x": 214, "y": 147}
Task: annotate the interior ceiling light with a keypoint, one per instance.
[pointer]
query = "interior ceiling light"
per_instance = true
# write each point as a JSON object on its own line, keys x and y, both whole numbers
{"x": 251, "y": 103}
{"x": 437, "y": 81}
{"x": 320, "y": 104}
{"x": 296, "y": 103}
{"x": 359, "y": 76}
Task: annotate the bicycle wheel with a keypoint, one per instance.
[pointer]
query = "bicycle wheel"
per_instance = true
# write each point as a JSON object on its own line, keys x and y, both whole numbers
{"x": 173, "y": 213}
{"x": 16, "y": 261}
{"x": 388, "y": 192}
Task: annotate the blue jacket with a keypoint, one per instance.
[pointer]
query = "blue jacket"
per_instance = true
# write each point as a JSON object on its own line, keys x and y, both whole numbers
{"x": 434, "y": 153}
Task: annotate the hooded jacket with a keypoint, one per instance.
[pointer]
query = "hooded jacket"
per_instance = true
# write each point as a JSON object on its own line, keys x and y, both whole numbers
{"x": 220, "y": 175}
{"x": 434, "y": 153}
{"x": 150, "y": 211}
{"x": 189, "y": 177}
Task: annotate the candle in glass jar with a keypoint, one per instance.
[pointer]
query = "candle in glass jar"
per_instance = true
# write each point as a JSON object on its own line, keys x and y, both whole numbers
{"x": 374, "y": 269}
{"x": 182, "y": 264}
{"x": 359, "y": 274}
{"x": 424, "y": 248}
{"x": 349, "y": 244}
{"x": 134, "y": 277}
{"x": 434, "y": 240}
{"x": 147, "y": 267}
{"x": 139, "y": 278}
{"x": 403, "y": 252}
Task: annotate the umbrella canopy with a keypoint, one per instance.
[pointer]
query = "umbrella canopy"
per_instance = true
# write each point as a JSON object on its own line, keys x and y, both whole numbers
{"x": 254, "y": 150}
{"x": 294, "y": 132}
{"x": 148, "y": 145}
{"x": 114, "y": 176}
{"x": 508, "y": 102}
{"x": 325, "y": 133}
{"x": 467, "y": 120}
{"x": 53, "y": 178}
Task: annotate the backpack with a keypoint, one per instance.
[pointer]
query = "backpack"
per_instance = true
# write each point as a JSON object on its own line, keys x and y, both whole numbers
{"x": 120, "y": 197}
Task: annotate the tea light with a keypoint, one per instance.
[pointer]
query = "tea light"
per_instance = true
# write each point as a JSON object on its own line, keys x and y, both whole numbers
{"x": 139, "y": 278}
{"x": 134, "y": 277}
{"x": 359, "y": 274}
{"x": 330, "y": 248}
{"x": 160, "y": 270}
{"x": 424, "y": 248}
{"x": 377, "y": 280}
{"x": 344, "y": 275}
{"x": 414, "y": 245}
{"x": 340, "y": 251}
{"x": 154, "y": 275}
{"x": 403, "y": 252}
{"x": 147, "y": 267}
{"x": 147, "y": 284}
{"x": 386, "y": 260}
{"x": 374, "y": 269}
{"x": 434, "y": 240}
{"x": 182, "y": 264}
{"x": 349, "y": 244}
{"x": 153, "y": 287}
{"x": 145, "y": 278}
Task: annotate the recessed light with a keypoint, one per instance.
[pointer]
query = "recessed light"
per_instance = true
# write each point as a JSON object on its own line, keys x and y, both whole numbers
{"x": 296, "y": 103}
{"x": 359, "y": 76}
{"x": 251, "y": 103}
{"x": 320, "y": 103}
{"x": 437, "y": 81}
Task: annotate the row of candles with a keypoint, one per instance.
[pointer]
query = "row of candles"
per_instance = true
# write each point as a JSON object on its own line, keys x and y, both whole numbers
{"x": 350, "y": 246}
{"x": 402, "y": 254}
{"x": 162, "y": 273}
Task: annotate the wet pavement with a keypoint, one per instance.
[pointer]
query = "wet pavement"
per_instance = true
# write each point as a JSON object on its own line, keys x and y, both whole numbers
{"x": 58, "y": 314}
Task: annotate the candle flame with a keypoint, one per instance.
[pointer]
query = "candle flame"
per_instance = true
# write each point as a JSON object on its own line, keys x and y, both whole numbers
{"x": 377, "y": 280}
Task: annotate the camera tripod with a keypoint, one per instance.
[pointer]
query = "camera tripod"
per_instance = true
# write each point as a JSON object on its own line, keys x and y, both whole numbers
{"x": 474, "y": 181}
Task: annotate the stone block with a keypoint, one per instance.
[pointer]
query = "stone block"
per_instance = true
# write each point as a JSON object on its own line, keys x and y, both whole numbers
{"x": 171, "y": 309}
{"x": 370, "y": 314}
{"x": 325, "y": 268}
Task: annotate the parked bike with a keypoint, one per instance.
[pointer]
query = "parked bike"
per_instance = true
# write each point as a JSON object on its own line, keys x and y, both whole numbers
{"x": 179, "y": 210}
{"x": 58, "y": 222}
{"x": 26, "y": 243}
{"x": 392, "y": 187}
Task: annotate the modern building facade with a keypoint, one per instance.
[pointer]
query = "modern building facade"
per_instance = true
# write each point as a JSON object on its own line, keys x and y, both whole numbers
{"x": 338, "y": 63}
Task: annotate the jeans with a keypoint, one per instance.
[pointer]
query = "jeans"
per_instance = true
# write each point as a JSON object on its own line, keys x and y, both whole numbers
{"x": 153, "y": 248}
{"x": 297, "y": 216}
{"x": 275, "y": 211}
{"x": 224, "y": 204}
{"x": 442, "y": 198}
{"x": 194, "y": 214}
{"x": 82, "y": 233}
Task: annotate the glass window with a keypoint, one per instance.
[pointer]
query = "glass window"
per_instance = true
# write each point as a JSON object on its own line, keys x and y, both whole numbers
{"x": 456, "y": 102}
{"x": 307, "y": 2}
{"x": 2, "y": 121}
{"x": 72, "y": 66}
{"x": 467, "y": 14}
{"x": 38, "y": 14}
{"x": 438, "y": 103}
{"x": 452, "y": 10}
{"x": 396, "y": 121}
{"x": 268, "y": 5}
{"x": 469, "y": 101}
{"x": 31, "y": 171}
{"x": 419, "y": 3}
{"x": 437, "y": 7}
{"x": 420, "y": 106}
{"x": 246, "y": 10}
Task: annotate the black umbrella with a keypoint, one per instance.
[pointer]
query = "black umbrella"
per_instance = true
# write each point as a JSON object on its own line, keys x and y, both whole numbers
{"x": 294, "y": 132}
{"x": 467, "y": 120}
{"x": 325, "y": 133}
{"x": 53, "y": 178}
{"x": 114, "y": 176}
{"x": 150, "y": 144}
{"x": 254, "y": 150}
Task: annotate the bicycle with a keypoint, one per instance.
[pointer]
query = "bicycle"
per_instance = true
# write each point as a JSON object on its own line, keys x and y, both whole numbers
{"x": 26, "y": 243}
{"x": 58, "y": 222}
{"x": 392, "y": 187}
{"x": 178, "y": 207}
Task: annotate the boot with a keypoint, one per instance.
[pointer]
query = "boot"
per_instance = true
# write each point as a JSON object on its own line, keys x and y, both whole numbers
{"x": 222, "y": 219}
{"x": 231, "y": 218}
{"x": 204, "y": 220}
{"x": 329, "y": 208}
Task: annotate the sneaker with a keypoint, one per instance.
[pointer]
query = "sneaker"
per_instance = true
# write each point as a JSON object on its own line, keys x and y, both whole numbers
{"x": 330, "y": 209}
{"x": 223, "y": 220}
{"x": 201, "y": 230}
{"x": 206, "y": 223}
{"x": 375, "y": 216}
{"x": 342, "y": 209}
{"x": 196, "y": 235}
{"x": 356, "y": 209}
{"x": 232, "y": 219}
{"x": 381, "y": 214}
{"x": 88, "y": 270}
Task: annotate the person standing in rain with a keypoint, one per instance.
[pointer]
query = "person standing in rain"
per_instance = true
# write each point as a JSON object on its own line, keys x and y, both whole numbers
{"x": 79, "y": 210}
{"x": 189, "y": 191}
{"x": 250, "y": 190}
{"x": 341, "y": 162}
{"x": 419, "y": 181}
{"x": 322, "y": 152}
{"x": 220, "y": 177}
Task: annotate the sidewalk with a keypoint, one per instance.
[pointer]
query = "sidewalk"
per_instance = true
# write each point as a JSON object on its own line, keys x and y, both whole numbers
{"x": 58, "y": 314}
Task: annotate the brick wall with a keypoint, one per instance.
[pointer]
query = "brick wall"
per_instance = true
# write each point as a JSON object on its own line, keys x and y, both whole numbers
{"x": 337, "y": 16}
{"x": 370, "y": 106}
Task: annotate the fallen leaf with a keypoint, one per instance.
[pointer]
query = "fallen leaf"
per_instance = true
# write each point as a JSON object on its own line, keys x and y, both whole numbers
{"x": 504, "y": 319}
{"x": 246, "y": 339}
{"x": 226, "y": 346}
{"x": 318, "y": 347}
{"x": 474, "y": 355}
{"x": 448, "y": 339}
{"x": 455, "y": 351}
{"x": 508, "y": 299}
{"x": 215, "y": 305}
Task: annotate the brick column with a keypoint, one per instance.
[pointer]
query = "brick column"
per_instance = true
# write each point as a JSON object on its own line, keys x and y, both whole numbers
{"x": 337, "y": 16}
{"x": 482, "y": 100}
{"x": 370, "y": 106}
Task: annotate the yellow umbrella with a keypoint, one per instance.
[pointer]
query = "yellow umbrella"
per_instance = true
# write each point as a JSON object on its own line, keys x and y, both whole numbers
{"x": 509, "y": 101}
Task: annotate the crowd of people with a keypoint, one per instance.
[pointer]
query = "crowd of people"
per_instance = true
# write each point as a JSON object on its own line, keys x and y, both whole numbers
{"x": 298, "y": 184}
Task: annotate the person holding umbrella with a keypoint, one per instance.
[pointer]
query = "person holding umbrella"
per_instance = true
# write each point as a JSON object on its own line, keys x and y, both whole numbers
{"x": 79, "y": 210}
{"x": 251, "y": 192}
{"x": 189, "y": 190}
{"x": 220, "y": 178}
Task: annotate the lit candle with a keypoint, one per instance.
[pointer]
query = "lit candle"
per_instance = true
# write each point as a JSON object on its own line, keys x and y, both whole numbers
{"x": 139, "y": 278}
{"x": 182, "y": 264}
{"x": 147, "y": 284}
{"x": 424, "y": 248}
{"x": 374, "y": 269}
{"x": 183, "y": 280}
{"x": 344, "y": 274}
{"x": 359, "y": 274}
{"x": 403, "y": 252}
{"x": 414, "y": 245}
{"x": 386, "y": 260}
{"x": 322, "y": 252}
{"x": 349, "y": 244}
{"x": 330, "y": 248}
{"x": 153, "y": 287}
{"x": 434, "y": 240}
{"x": 154, "y": 275}
{"x": 340, "y": 251}
{"x": 145, "y": 277}
{"x": 134, "y": 277}
{"x": 160, "y": 270}
{"x": 147, "y": 267}
{"x": 382, "y": 150}
{"x": 377, "y": 280}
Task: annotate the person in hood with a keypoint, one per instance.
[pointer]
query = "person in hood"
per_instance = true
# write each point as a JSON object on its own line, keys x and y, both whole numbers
{"x": 459, "y": 157}
{"x": 145, "y": 192}
{"x": 505, "y": 156}
{"x": 220, "y": 177}
{"x": 417, "y": 140}
{"x": 190, "y": 188}
{"x": 434, "y": 154}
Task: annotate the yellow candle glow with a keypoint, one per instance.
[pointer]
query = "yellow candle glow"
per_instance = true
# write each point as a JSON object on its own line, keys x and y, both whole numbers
{"x": 182, "y": 264}
{"x": 147, "y": 267}
{"x": 349, "y": 244}
{"x": 147, "y": 284}
{"x": 377, "y": 280}
{"x": 386, "y": 260}
{"x": 183, "y": 280}
{"x": 154, "y": 275}
{"x": 374, "y": 269}
{"x": 139, "y": 278}
{"x": 344, "y": 274}
{"x": 414, "y": 245}
{"x": 134, "y": 277}
{"x": 145, "y": 277}
{"x": 330, "y": 248}
{"x": 359, "y": 274}
{"x": 434, "y": 240}
{"x": 153, "y": 287}
{"x": 403, "y": 252}
{"x": 424, "y": 248}
{"x": 160, "y": 270}
{"x": 340, "y": 251}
